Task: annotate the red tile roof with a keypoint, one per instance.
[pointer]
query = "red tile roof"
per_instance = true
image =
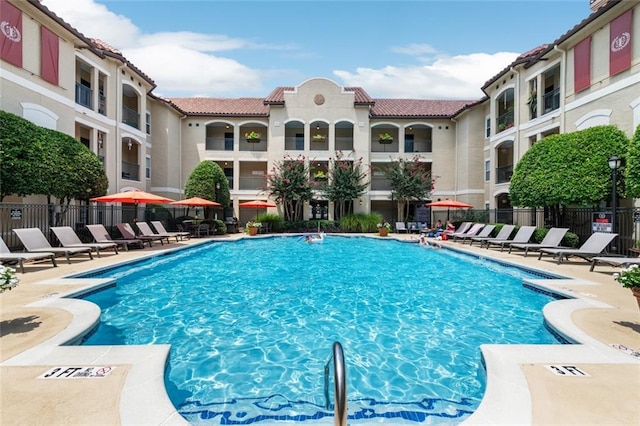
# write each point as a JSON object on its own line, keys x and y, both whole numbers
{"x": 222, "y": 106}
{"x": 406, "y": 108}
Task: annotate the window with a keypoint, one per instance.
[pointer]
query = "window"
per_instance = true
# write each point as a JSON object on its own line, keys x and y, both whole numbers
{"x": 487, "y": 170}
{"x": 408, "y": 143}
{"x": 228, "y": 141}
{"x": 487, "y": 127}
{"x": 148, "y": 167}
{"x": 300, "y": 141}
{"x": 148, "y": 123}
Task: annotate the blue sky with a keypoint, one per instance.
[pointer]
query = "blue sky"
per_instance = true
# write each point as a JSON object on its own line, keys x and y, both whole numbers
{"x": 420, "y": 49}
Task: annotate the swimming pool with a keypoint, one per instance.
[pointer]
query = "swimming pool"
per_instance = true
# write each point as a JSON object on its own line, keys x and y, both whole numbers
{"x": 251, "y": 324}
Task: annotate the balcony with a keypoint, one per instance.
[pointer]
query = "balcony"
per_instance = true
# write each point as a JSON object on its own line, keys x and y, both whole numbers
{"x": 418, "y": 145}
{"x": 505, "y": 121}
{"x": 84, "y": 95}
{"x": 551, "y": 100}
{"x": 130, "y": 117}
{"x": 380, "y": 183}
{"x": 252, "y": 183}
{"x": 102, "y": 105}
{"x": 504, "y": 173}
{"x": 130, "y": 171}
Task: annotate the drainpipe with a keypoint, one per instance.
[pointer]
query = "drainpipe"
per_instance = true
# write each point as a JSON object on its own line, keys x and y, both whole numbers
{"x": 118, "y": 144}
{"x": 516, "y": 142}
{"x": 455, "y": 157}
{"x": 563, "y": 86}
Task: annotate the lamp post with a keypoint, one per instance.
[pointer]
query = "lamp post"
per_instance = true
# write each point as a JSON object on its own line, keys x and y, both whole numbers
{"x": 217, "y": 195}
{"x": 614, "y": 163}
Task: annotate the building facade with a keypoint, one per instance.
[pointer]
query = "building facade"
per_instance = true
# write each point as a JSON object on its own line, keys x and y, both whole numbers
{"x": 58, "y": 78}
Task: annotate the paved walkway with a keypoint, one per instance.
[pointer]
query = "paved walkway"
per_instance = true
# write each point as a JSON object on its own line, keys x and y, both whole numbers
{"x": 600, "y": 384}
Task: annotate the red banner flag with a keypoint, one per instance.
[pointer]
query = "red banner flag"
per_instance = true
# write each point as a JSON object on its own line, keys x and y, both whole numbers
{"x": 582, "y": 65}
{"x": 49, "y": 51}
{"x": 620, "y": 43}
{"x": 10, "y": 33}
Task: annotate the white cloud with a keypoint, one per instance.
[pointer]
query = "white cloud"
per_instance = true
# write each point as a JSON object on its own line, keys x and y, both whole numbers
{"x": 415, "y": 49}
{"x": 455, "y": 77}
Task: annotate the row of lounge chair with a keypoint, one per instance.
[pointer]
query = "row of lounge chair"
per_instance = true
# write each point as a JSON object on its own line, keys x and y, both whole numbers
{"x": 592, "y": 249}
{"x": 37, "y": 247}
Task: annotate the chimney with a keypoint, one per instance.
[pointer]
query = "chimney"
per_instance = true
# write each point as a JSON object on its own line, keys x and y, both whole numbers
{"x": 594, "y": 5}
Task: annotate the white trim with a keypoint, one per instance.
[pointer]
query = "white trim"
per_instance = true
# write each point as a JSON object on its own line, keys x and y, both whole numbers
{"x": 582, "y": 122}
{"x": 91, "y": 124}
{"x": 93, "y": 64}
{"x": 542, "y": 129}
{"x": 40, "y": 90}
{"x": 468, "y": 191}
{"x": 500, "y": 192}
{"x": 610, "y": 89}
{"x": 94, "y": 115}
{"x": 165, "y": 189}
{"x": 635, "y": 107}
{"x": 545, "y": 69}
{"x": 546, "y": 117}
{"x": 40, "y": 115}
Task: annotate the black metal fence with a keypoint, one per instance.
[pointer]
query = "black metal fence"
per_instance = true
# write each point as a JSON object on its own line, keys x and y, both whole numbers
{"x": 580, "y": 221}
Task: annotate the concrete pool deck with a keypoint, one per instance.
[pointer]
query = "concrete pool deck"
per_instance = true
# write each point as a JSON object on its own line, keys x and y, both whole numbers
{"x": 594, "y": 382}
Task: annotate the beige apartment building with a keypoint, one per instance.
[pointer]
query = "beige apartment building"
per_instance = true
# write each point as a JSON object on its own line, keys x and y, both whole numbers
{"x": 588, "y": 76}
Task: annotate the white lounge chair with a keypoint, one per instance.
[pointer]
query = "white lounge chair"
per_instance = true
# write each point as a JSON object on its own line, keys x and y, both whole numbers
{"x": 484, "y": 233}
{"x": 472, "y": 232}
{"x": 595, "y": 245}
{"x": 614, "y": 261}
{"x": 127, "y": 232}
{"x": 503, "y": 235}
{"x": 161, "y": 230}
{"x": 68, "y": 238}
{"x": 101, "y": 235}
{"x": 551, "y": 240}
{"x": 401, "y": 227}
{"x": 464, "y": 227}
{"x": 523, "y": 236}
{"x": 7, "y": 255}
{"x": 146, "y": 231}
{"x": 34, "y": 241}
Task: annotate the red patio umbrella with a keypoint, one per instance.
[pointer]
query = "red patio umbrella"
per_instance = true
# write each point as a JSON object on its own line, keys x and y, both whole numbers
{"x": 256, "y": 204}
{"x": 133, "y": 197}
{"x": 196, "y": 202}
{"x": 449, "y": 204}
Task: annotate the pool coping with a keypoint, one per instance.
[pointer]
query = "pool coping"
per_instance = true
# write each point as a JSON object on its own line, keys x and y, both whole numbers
{"x": 505, "y": 378}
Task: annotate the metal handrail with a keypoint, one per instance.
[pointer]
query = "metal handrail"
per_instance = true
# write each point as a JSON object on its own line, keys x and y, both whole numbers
{"x": 340, "y": 385}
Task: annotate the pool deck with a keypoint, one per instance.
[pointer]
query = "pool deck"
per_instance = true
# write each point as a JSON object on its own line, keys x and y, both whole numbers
{"x": 596, "y": 381}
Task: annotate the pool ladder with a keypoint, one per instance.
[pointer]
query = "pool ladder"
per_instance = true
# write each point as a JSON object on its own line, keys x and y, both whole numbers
{"x": 340, "y": 383}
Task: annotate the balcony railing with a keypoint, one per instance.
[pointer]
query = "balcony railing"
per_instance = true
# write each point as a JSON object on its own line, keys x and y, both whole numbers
{"x": 102, "y": 105}
{"x": 504, "y": 173}
{"x": 252, "y": 183}
{"x": 84, "y": 95}
{"x": 130, "y": 117}
{"x": 380, "y": 184}
{"x": 551, "y": 100}
{"x": 505, "y": 121}
{"x": 344, "y": 143}
{"x": 418, "y": 145}
{"x": 130, "y": 171}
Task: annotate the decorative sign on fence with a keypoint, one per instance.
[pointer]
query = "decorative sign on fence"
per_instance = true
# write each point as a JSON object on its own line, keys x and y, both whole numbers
{"x": 601, "y": 222}
{"x": 16, "y": 214}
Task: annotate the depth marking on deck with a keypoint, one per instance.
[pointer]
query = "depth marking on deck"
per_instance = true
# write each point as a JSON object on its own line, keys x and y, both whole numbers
{"x": 73, "y": 372}
{"x": 626, "y": 350}
{"x": 567, "y": 370}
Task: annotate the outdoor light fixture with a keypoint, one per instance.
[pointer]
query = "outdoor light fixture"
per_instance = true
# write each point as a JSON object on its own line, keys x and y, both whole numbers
{"x": 614, "y": 163}
{"x": 99, "y": 140}
{"x": 129, "y": 144}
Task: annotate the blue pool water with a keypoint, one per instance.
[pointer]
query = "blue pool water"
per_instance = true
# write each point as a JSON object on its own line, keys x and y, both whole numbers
{"x": 252, "y": 323}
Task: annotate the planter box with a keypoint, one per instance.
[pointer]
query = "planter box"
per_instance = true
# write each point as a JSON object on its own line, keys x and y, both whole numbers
{"x": 254, "y": 140}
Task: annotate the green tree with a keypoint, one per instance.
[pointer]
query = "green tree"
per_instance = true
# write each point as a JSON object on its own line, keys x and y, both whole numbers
{"x": 410, "y": 180}
{"x": 346, "y": 182}
{"x": 570, "y": 169}
{"x": 632, "y": 169}
{"x": 202, "y": 183}
{"x": 288, "y": 184}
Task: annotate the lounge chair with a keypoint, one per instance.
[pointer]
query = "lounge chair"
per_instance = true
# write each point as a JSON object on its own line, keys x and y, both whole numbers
{"x": 595, "y": 245}
{"x": 551, "y": 240}
{"x": 401, "y": 227}
{"x": 127, "y": 232}
{"x": 68, "y": 238}
{"x": 146, "y": 231}
{"x": 100, "y": 235}
{"x": 7, "y": 255}
{"x": 472, "y": 232}
{"x": 484, "y": 233}
{"x": 523, "y": 236}
{"x": 464, "y": 227}
{"x": 503, "y": 235}
{"x": 34, "y": 241}
{"x": 413, "y": 227}
{"x": 160, "y": 229}
{"x": 614, "y": 261}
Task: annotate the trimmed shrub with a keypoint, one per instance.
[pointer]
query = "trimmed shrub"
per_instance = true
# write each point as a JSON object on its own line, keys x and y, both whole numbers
{"x": 360, "y": 223}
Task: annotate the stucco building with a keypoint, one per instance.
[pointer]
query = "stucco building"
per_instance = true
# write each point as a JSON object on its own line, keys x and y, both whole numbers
{"x": 59, "y": 78}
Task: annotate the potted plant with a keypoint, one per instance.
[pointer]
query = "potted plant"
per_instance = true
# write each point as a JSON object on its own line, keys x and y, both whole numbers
{"x": 384, "y": 228}
{"x": 252, "y": 137}
{"x": 533, "y": 104}
{"x": 320, "y": 175}
{"x": 630, "y": 278}
{"x": 252, "y": 227}
{"x": 8, "y": 279}
{"x": 385, "y": 138}
{"x": 318, "y": 138}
